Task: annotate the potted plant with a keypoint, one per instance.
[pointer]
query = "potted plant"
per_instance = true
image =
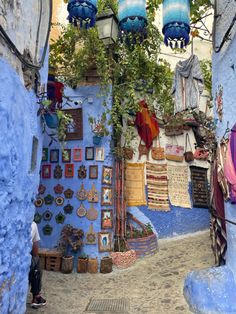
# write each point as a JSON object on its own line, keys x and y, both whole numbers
{"x": 98, "y": 127}
{"x": 70, "y": 240}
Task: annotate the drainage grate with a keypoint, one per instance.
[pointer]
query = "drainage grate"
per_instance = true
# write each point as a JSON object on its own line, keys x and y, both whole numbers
{"x": 108, "y": 306}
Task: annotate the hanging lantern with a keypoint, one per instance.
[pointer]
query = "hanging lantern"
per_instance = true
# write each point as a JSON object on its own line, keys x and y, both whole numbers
{"x": 133, "y": 17}
{"x": 82, "y": 11}
{"x": 176, "y": 20}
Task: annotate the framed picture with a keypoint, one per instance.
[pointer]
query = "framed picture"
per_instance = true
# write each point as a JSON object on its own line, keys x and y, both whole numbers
{"x": 69, "y": 170}
{"x": 54, "y": 155}
{"x": 89, "y": 153}
{"x": 66, "y": 155}
{"x": 99, "y": 154}
{"x": 107, "y": 175}
{"x": 106, "y": 219}
{"x": 46, "y": 171}
{"x": 93, "y": 172}
{"x": 45, "y": 154}
{"x": 77, "y": 154}
{"x": 75, "y": 130}
{"x": 104, "y": 242}
{"x": 106, "y": 196}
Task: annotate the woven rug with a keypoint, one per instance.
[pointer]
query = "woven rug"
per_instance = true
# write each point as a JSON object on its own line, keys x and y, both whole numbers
{"x": 200, "y": 191}
{"x": 178, "y": 186}
{"x": 134, "y": 184}
{"x": 157, "y": 186}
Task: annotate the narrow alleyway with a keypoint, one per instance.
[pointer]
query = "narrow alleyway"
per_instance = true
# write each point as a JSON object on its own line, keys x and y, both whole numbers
{"x": 152, "y": 286}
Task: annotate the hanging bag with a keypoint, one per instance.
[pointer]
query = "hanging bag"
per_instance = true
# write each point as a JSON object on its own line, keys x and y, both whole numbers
{"x": 188, "y": 155}
{"x": 142, "y": 149}
{"x": 174, "y": 152}
{"x": 158, "y": 153}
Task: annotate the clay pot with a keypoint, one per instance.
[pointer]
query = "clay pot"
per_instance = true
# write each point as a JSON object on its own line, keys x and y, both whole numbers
{"x": 82, "y": 266}
{"x": 67, "y": 264}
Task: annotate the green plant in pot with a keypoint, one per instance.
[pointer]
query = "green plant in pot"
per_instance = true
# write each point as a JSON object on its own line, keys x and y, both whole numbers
{"x": 98, "y": 127}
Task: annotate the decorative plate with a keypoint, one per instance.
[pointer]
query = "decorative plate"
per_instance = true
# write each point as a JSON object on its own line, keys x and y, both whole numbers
{"x": 57, "y": 173}
{"x": 92, "y": 213}
{"x": 47, "y": 215}
{"x": 37, "y": 218}
{"x": 82, "y": 172}
{"x": 60, "y": 218}
{"x": 68, "y": 193}
{"x": 92, "y": 195}
{"x": 91, "y": 236}
{"x": 48, "y": 199}
{"x": 58, "y": 189}
{"x": 82, "y": 193}
{"x": 38, "y": 202}
{"x": 68, "y": 209}
{"x": 59, "y": 200}
{"x": 81, "y": 211}
{"x": 47, "y": 230}
{"x": 41, "y": 189}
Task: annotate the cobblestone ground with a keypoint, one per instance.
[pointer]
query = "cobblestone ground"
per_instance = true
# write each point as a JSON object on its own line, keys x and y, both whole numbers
{"x": 154, "y": 285}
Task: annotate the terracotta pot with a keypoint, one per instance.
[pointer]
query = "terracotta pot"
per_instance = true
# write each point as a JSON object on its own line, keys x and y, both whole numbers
{"x": 67, "y": 264}
{"x": 82, "y": 266}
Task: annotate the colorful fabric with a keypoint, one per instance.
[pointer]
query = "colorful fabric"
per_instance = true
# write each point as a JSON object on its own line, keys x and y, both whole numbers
{"x": 221, "y": 158}
{"x": 178, "y": 186}
{"x": 135, "y": 184}
{"x": 157, "y": 186}
{"x": 146, "y": 124}
{"x": 200, "y": 191}
{"x": 229, "y": 169}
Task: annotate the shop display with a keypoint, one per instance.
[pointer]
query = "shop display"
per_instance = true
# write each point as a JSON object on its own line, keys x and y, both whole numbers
{"x": 69, "y": 170}
{"x": 188, "y": 154}
{"x": 178, "y": 186}
{"x": 66, "y": 155}
{"x": 59, "y": 201}
{"x": 200, "y": 191}
{"x": 47, "y": 230}
{"x": 107, "y": 175}
{"x": 100, "y": 154}
{"x": 54, "y": 155}
{"x": 91, "y": 236}
{"x": 82, "y": 193}
{"x": 68, "y": 209}
{"x": 106, "y": 219}
{"x": 158, "y": 152}
{"x": 174, "y": 152}
{"x": 48, "y": 199}
{"x": 135, "y": 184}
{"x": 104, "y": 242}
{"x": 38, "y": 202}
{"x": 37, "y": 218}
{"x": 47, "y": 215}
{"x": 58, "y": 189}
{"x": 81, "y": 211}
{"x": 57, "y": 173}
{"x": 107, "y": 196}
{"x": 89, "y": 153}
{"x": 82, "y": 172}
{"x": 92, "y": 213}
{"x": 92, "y": 195}
{"x": 41, "y": 189}
{"x": 93, "y": 172}
{"x": 60, "y": 218}
{"x": 157, "y": 186}
{"x": 68, "y": 193}
{"x": 46, "y": 171}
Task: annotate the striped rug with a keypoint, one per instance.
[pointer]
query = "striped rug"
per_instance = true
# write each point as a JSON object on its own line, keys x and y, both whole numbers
{"x": 157, "y": 186}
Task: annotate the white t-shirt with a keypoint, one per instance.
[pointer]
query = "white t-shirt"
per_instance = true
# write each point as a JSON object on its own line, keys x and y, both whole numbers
{"x": 34, "y": 232}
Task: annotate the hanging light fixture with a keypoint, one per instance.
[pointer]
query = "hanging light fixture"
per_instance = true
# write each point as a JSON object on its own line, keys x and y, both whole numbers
{"x": 132, "y": 18}
{"x": 107, "y": 25}
{"x": 176, "y": 20}
{"x": 82, "y": 12}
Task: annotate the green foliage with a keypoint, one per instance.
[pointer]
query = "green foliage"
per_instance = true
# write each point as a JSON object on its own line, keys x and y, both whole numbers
{"x": 206, "y": 67}
{"x": 103, "y": 5}
{"x": 98, "y": 125}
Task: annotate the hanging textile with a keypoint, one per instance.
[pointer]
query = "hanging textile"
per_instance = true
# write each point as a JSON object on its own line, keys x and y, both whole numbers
{"x": 134, "y": 184}
{"x": 200, "y": 191}
{"x": 221, "y": 159}
{"x": 188, "y": 84}
{"x": 218, "y": 227}
{"x": 178, "y": 186}
{"x": 157, "y": 186}
{"x": 229, "y": 169}
{"x": 146, "y": 124}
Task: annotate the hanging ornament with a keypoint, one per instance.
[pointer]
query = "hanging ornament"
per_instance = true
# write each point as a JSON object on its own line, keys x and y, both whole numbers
{"x": 68, "y": 193}
{"x": 82, "y": 12}
{"x": 82, "y": 193}
{"x": 38, "y": 202}
{"x": 92, "y": 213}
{"x": 59, "y": 201}
{"x": 91, "y": 236}
{"x": 48, "y": 199}
{"x": 133, "y": 18}
{"x": 41, "y": 189}
{"x": 47, "y": 230}
{"x": 47, "y": 215}
{"x": 68, "y": 209}
{"x": 92, "y": 195}
{"x": 57, "y": 173}
{"x": 81, "y": 211}
{"x": 37, "y": 218}
{"x": 58, "y": 189}
{"x": 60, "y": 218}
{"x": 82, "y": 172}
{"x": 176, "y": 20}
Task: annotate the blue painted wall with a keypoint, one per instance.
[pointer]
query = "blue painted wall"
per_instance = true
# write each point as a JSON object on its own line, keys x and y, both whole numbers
{"x": 18, "y": 187}
{"x": 213, "y": 290}
{"x": 92, "y": 105}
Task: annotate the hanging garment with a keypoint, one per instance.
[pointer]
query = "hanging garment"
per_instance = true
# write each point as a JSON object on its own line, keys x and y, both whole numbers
{"x": 221, "y": 158}
{"x": 188, "y": 84}
{"x": 229, "y": 170}
{"x": 147, "y": 125}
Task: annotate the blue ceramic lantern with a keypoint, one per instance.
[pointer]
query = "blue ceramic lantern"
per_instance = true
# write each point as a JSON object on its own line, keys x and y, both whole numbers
{"x": 82, "y": 12}
{"x": 176, "y": 20}
{"x": 132, "y": 17}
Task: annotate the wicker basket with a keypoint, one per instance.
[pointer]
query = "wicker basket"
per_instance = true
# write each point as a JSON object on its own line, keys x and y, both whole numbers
{"x": 82, "y": 266}
{"x": 106, "y": 265}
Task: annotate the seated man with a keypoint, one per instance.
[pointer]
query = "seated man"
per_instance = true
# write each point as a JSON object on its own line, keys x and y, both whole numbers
{"x": 35, "y": 274}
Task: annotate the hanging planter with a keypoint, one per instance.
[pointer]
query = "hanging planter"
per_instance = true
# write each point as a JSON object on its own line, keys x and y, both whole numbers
{"x": 133, "y": 18}
{"x": 51, "y": 120}
{"x": 97, "y": 140}
{"x": 82, "y": 12}
{"x": 176, "y": 20}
